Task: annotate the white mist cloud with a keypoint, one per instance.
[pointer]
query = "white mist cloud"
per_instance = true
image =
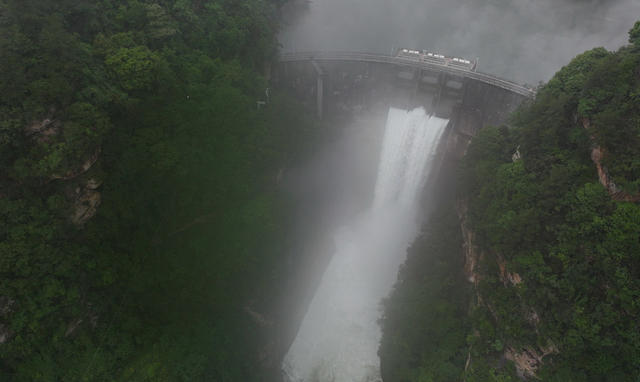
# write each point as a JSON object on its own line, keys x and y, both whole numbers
{"x": 524, "y": 40}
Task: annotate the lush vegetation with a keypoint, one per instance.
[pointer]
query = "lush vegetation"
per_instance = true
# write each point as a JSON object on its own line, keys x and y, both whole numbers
{"x": 139, "y": 215}
{"x": 145, "y": 111}
{"x": 559, "y": 259}
{"x": 425, "y": 323}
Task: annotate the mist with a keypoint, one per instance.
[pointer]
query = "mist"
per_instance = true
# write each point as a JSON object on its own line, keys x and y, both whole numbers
{"x": 522, "y": 40}
{"x": 339, "y": 335}
{"x": 359, "y": 198}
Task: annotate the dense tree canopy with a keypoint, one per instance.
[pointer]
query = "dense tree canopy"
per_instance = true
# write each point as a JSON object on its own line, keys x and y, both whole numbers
{"x": 558, "y": 273}
{"x": 137, "y": 187}
{"x": 139, "y": 215}
{"x": 425, "y": 324}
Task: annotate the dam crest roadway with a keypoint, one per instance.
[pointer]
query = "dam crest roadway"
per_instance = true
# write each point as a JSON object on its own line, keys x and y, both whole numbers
{"x": 338, "y": 56}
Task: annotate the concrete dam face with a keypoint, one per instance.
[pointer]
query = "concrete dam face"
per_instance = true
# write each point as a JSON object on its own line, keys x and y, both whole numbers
{"x": 338, "y": 88}
{"x": 427, "y": 114}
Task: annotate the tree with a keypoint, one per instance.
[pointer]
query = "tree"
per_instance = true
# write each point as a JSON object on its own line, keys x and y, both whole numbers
{"x": 133, "y": 68}
{"x": 634, "y": 33}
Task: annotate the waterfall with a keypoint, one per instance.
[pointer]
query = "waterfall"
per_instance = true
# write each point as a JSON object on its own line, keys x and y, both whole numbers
{"x": 339, "y": 336}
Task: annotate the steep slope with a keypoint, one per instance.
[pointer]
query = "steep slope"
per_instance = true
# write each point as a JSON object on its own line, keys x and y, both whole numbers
{"x": 551, "y": 239}
{"x": 137, "y": 183}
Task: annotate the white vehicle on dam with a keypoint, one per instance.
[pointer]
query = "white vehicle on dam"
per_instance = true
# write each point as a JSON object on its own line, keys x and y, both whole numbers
{"x": 437, "y": 58}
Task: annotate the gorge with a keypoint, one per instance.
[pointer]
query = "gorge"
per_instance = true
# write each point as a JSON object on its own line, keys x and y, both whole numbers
{"x": 338, "y": 338}
{"x": 186, "y": 195}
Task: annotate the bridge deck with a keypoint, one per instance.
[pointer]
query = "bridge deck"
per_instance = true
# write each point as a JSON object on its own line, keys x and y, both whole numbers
{"x": 405, "y": 61}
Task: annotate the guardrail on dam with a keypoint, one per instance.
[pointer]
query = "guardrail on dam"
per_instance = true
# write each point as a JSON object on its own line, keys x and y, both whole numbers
{"x": 343, "y": 82}
{"x": 408, "y": 62}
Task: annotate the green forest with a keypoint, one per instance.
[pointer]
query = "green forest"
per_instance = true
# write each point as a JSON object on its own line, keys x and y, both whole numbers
{"x": 556, "y": 287}
{"x": 140, "y": 147}
{"x": 137, "y": 179}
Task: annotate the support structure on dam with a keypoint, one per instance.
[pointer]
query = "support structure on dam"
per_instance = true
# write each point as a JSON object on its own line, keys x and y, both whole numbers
{"x": 319, "y": 88}
{"x": 343, "y": 82}
{"x": 363, "y": 91}
{"x": 407, "y": 62}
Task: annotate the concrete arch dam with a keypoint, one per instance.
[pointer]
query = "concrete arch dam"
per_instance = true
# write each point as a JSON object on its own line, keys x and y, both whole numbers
{"x": 411, "y": 63}
{"x": 331, "y": 80}
{"x": 412, "y": 116}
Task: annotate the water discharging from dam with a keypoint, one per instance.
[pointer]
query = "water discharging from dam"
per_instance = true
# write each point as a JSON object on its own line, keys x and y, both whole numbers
{"x": 339, "y": 335}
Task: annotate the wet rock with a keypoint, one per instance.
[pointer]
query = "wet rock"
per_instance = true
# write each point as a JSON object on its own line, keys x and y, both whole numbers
{"x": 471, "y": 255}
{"x": 93, "y": 184}
{"x": 43, "y": 130}
{"x": 72, "y": 327}
{"x": 88, "y": 163}
{"x": 86, "y": 204}
{"x": 597, "y": 155}
{"x": 507, "y": 277}
{"x": 6, "y": 304}
{"x": 528, "y": 360}
{"x": 5, "y": 333}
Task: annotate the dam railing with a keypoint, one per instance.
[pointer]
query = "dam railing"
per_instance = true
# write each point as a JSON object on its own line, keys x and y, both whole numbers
{"x": 425, "y": 64}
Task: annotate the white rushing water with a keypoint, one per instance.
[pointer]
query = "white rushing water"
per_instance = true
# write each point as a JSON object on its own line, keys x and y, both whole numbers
{"x": 339, "y": 335}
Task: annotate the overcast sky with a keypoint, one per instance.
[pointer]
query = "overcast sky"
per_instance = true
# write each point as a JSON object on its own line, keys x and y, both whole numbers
{"x": 522, "y": 40}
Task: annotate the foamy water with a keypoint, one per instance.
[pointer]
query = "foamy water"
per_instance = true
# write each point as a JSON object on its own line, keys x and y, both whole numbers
{"x": 339, "y": 336}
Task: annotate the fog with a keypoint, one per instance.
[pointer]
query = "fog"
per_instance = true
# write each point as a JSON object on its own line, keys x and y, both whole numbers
{"x": 339, "y": 335}
{"x": 342, "y": 232}
{"x": 522, "y": 40}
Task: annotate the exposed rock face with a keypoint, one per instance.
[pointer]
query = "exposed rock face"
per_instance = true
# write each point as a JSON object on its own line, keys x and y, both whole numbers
{"x": 533, "y": 318}
{"x": 38, "y": 126}
{"x": 6, "y": 304}
{"x": 258, "y": 318}
{"x": 5, "y": 333}
{"x": 86, "y": 203}
{"x": 514, "y": 278}
{"x": 88, "y": 163}
{"x": 597, "y": 154}
{"x": 267, "y": 353}
{"x": 516, "y": 156}
{"x": 44, "y": 130}
{"x": 47, "y": 126}
{"x": 471, "y": 255}
{"x": 93, "y": 184}
{"x": 85, "y": 200}
{"x": 89, "y": 318}
{"x": 508, "y": 277}
{"x": 528, "y": 359}
{"x": 72, "y": 327}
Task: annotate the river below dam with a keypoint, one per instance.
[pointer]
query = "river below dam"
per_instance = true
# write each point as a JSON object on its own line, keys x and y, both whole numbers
{"x": 339, "y": 336}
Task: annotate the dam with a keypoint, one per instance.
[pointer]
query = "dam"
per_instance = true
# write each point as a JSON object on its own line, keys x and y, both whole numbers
{"x": 429, "y": 111}
{"x": 336, "y": 83}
